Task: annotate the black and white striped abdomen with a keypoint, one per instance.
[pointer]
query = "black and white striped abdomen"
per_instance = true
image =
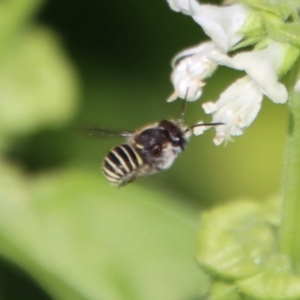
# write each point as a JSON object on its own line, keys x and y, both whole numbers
{"x": 121, "y": 164}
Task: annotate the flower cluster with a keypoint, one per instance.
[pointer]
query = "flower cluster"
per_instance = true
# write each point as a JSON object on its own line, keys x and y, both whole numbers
{"x": 230, "y": 28}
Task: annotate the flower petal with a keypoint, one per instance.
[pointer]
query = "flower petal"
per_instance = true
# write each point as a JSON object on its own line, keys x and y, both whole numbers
{"x": 198, "y": 130}
{"x": 237, "y": 107}
{"x": 221, "y": 23}
{"x": 261, "y": 66}
{"x": 180, "y": 6}
{"x": 190, "y": 68}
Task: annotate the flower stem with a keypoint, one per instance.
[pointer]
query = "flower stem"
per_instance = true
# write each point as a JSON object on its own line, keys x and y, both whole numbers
{"x": 289, "y": 242}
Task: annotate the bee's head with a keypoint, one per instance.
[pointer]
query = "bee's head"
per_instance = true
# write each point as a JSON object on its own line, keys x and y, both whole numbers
{"x": 174, "y": 133}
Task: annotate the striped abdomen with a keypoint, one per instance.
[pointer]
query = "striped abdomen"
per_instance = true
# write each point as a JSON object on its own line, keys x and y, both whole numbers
{"x": 121, "y": 164}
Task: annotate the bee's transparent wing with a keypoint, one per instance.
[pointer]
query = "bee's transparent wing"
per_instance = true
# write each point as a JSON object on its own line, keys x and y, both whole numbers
{"x": 105, "y": 133}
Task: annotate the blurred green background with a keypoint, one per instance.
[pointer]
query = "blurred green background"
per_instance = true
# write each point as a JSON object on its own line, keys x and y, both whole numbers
{"x": 101, "y": 63}
{"x": 122, "y": 52}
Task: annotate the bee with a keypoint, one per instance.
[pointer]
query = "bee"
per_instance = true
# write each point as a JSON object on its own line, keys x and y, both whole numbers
{"x": 147, "y": 150}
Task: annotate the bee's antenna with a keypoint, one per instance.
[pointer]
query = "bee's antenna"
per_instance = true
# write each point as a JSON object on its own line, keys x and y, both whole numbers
{"x": 180, "y": 120}
{"x": 203, "y": 124}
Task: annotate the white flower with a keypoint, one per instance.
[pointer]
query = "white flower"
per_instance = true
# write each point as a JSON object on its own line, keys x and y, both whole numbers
{"x": 198, "y": 130}
{"x": 180, "y": 6}
{"x": 190, "y": 68}
{"x": 261, "y": 66}
{"x": 221, "y": 23}
{"x": 237, "y": 107}
{"x": 240, "y": 103}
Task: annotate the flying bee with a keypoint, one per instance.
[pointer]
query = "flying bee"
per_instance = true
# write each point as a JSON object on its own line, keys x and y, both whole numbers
{"x": 147, "y": 150}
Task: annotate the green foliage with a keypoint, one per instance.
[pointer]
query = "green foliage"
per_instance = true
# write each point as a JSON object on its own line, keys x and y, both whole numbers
{"x": 281, "y": 31}
{"x": 82, "y": 239}
{"x": 224, "y": 291}
{"x": 75, "y": 235}
{"x": 275, "y": 282}
{"x": 38, "y": 87}
{"x": 78, "y": 237}
{"x": 237, "y": 243}
{"x": 281, "y": 8}
{"x": 237, "y": 238}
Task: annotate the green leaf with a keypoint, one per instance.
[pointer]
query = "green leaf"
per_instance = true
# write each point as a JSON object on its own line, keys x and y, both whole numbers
{"x": 275, "y": 282}
{"x": 224, "y": 291}
{"x": 14, "y": 18}
{"x": 277, "y": 7}
{"x": 234, "y": 240}
{"x": 38, "y": 85}
{"x": 80, "y": 238}
{"x": 280, "y": 31}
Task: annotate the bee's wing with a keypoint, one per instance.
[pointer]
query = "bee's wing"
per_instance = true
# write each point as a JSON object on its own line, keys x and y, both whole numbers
{"x": 105, "y": 133}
